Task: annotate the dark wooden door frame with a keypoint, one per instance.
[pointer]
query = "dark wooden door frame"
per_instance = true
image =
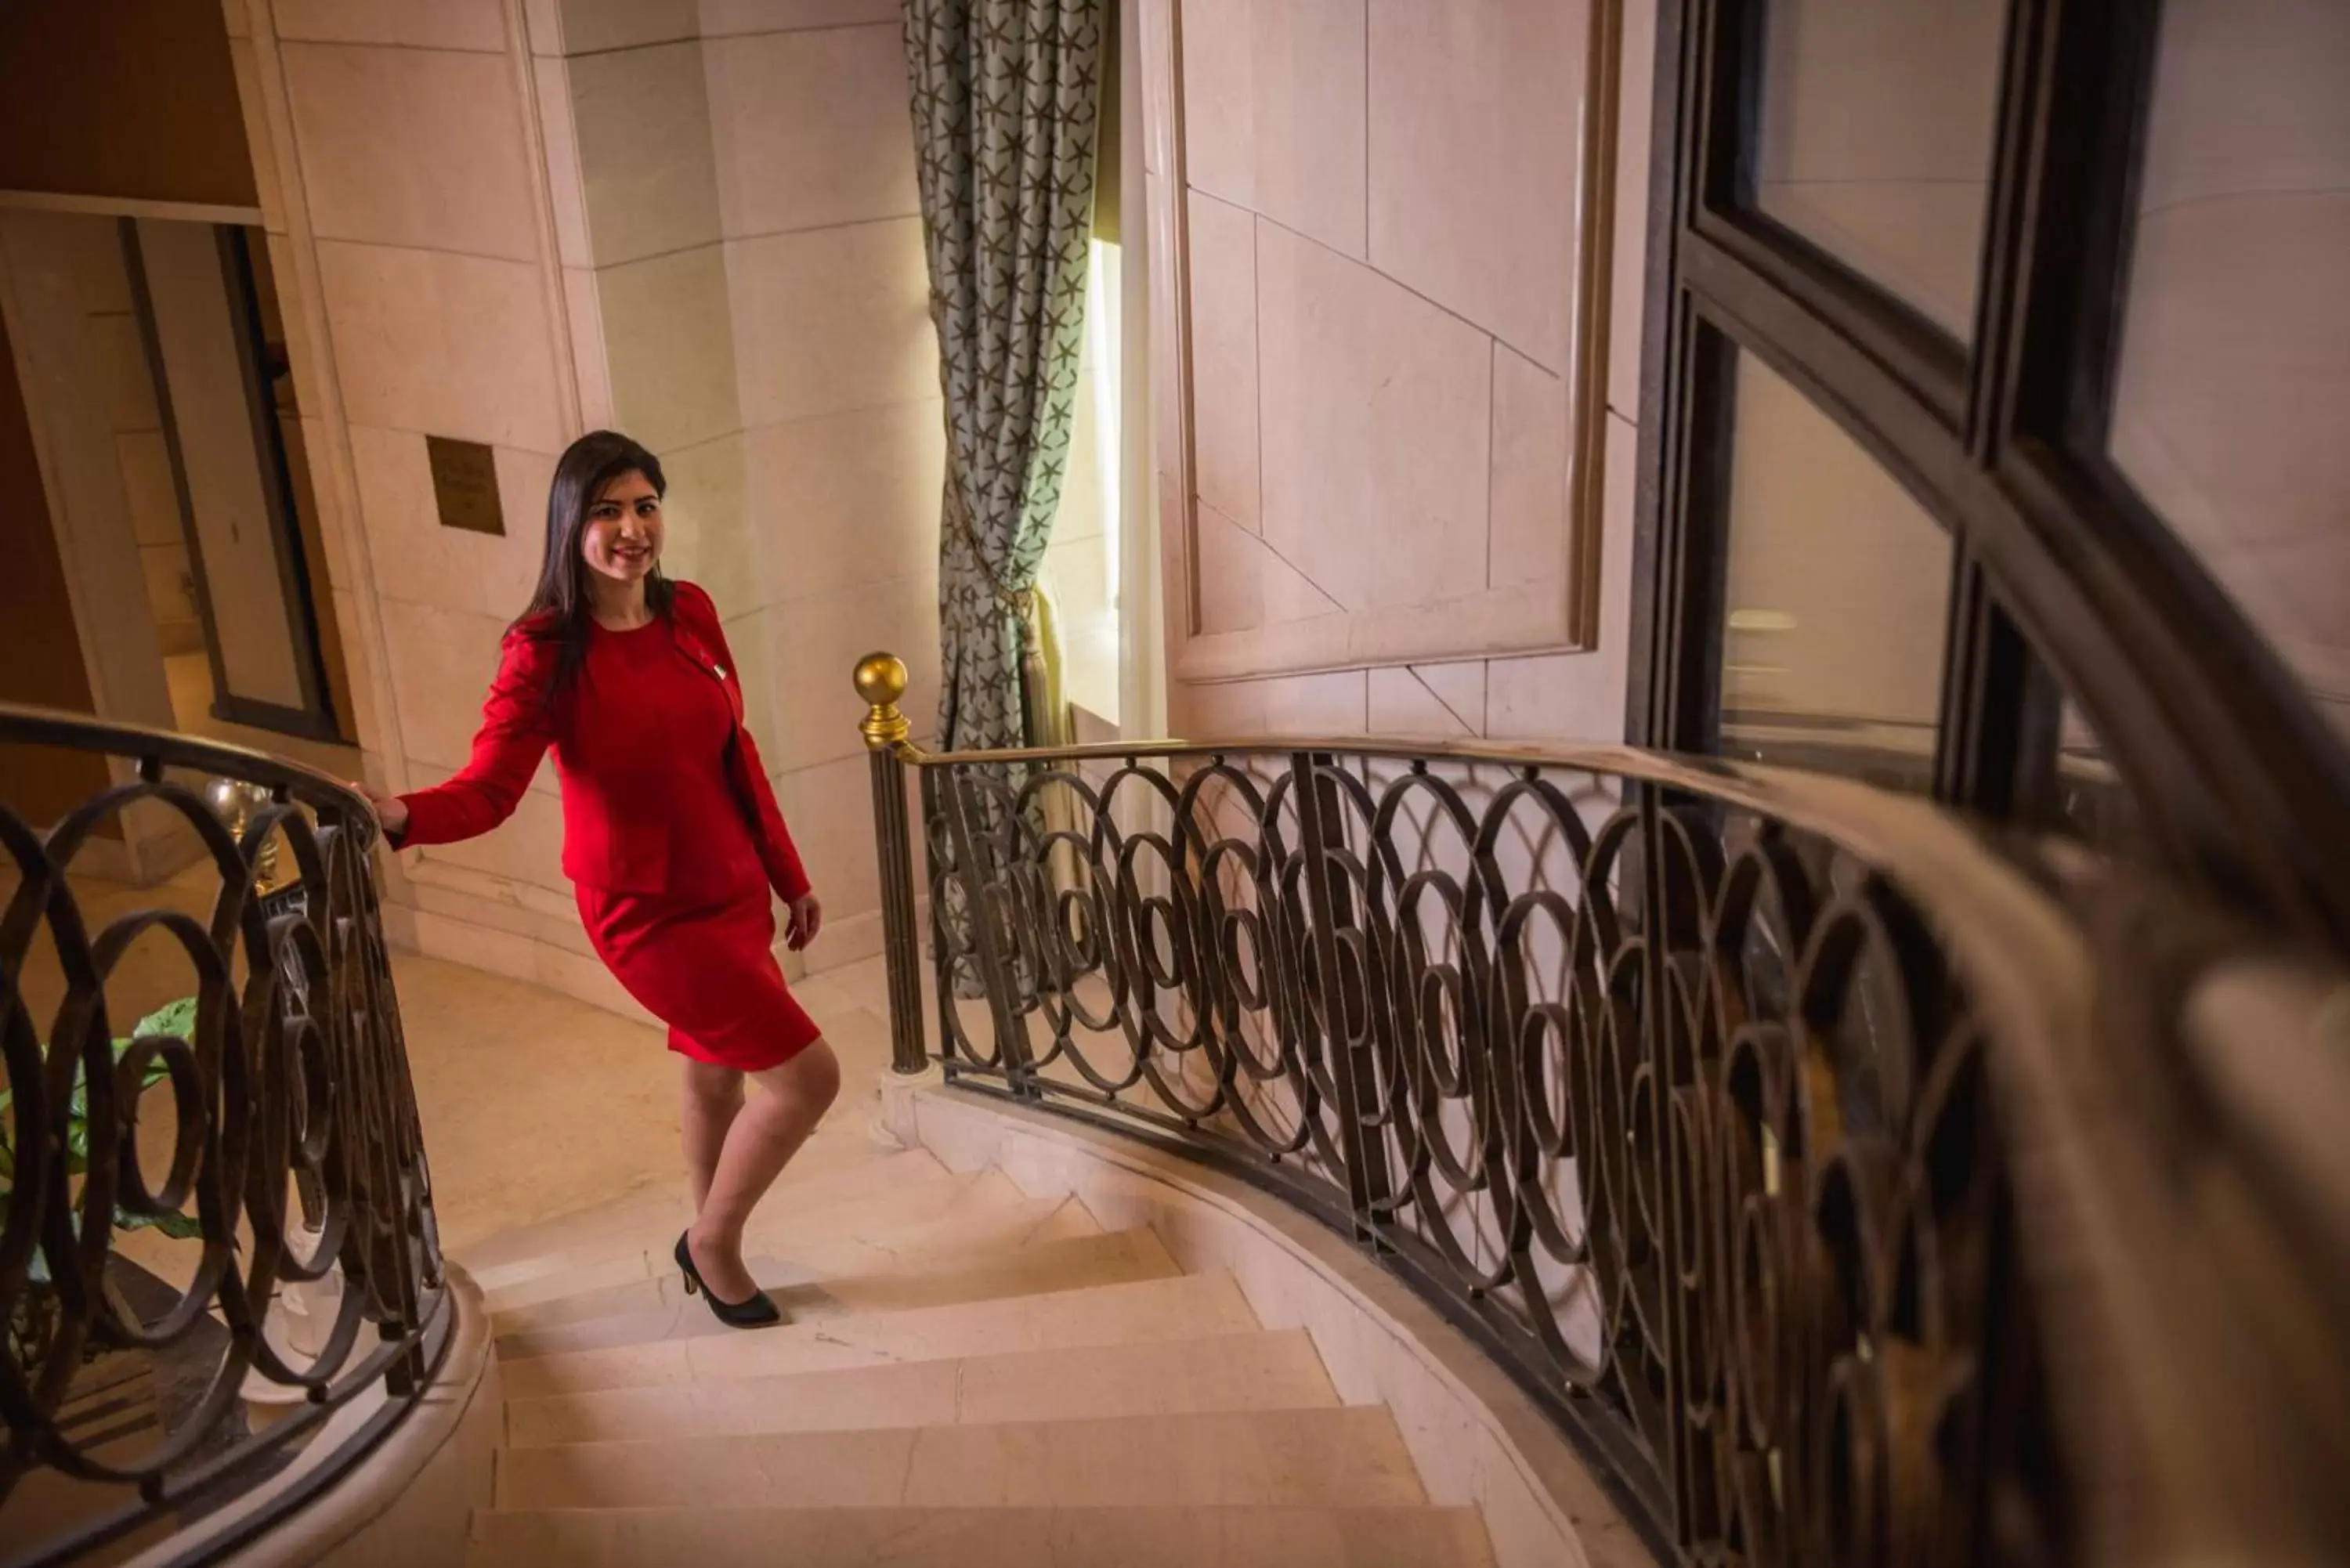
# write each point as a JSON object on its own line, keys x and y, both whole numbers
{"x": 315, "y": 719}
{"x": 2065, "y": 583}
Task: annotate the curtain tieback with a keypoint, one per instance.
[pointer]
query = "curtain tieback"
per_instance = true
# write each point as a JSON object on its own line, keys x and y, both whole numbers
{"x": 1012, "y": 601}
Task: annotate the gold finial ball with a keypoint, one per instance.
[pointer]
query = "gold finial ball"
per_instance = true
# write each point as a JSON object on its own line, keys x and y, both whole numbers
{"x": 236, "y": 801}
{"x": 880, "y": 678}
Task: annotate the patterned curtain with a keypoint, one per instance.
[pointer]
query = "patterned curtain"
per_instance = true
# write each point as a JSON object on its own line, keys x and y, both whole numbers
{"x": 1005, "y": 97}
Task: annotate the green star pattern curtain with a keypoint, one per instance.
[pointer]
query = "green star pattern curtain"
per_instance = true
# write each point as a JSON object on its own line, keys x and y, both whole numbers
{"x": 1005, "y": 97}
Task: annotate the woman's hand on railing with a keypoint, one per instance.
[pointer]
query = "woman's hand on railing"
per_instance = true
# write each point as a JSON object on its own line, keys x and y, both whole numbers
{"x": 390, "y": 809}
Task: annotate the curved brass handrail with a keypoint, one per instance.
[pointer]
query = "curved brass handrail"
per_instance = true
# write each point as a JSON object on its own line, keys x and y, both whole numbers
{"x": 2136, "y": 1228}
{"x": 169, "y": 749}
{"x": 297, "y": 1152}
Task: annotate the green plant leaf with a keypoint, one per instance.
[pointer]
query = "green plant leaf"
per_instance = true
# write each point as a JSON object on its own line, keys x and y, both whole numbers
{"x": 177, "y": 1018}
{"x": 154, "y": 1072}
{"x": 176, "y": 1225}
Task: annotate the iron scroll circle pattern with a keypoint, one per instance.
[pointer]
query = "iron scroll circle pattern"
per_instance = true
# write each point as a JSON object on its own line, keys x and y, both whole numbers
{"x": 1679, "y": 1112}
{"x": 296, "y": 1148}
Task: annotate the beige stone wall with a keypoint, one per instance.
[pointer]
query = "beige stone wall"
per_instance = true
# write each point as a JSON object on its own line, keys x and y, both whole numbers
{"x": 398, "y": 152}
{"x": 843, "y": 433}
{"x": 509, "y": 223}
{"x": 733, "y": 193}
{"x": 1367, "y": 217}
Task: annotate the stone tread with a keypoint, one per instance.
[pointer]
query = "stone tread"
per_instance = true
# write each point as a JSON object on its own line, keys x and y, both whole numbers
{"x": 1344, "y": 1456}
{"x": 1181, "y": 1306}
{"x": 1044, "y": 1267}
{"x": 887, "y": 1195}
{"x": 971, "y": 1377}
{"x": 551, "y": 1242}
{"x": 1252, "y": 1371}
{"x": 1241, "y": 1536}
{"x": 976, "y": 1218}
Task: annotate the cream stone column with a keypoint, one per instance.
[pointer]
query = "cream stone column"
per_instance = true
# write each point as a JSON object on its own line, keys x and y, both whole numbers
{"x": 399, "y": 148}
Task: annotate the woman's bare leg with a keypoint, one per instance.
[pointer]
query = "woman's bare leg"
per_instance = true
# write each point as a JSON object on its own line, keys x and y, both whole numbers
{"x": 764, "y": 1136}
{"x": 713, "y": 1096}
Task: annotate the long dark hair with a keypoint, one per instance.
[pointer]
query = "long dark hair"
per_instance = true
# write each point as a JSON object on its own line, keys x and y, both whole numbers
{"x": 558, "y": 610}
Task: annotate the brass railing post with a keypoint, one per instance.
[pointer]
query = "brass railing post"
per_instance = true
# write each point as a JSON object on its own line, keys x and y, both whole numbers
{"x": 880, "y": 679}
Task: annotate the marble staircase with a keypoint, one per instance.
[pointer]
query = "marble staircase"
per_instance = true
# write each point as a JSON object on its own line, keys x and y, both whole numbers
{"x": 971, "y": 1376}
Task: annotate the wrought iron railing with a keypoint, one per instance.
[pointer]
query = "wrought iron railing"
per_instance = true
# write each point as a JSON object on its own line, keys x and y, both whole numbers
{"x": 273, "y": 1128}
{"x": 1851, "y": 1188}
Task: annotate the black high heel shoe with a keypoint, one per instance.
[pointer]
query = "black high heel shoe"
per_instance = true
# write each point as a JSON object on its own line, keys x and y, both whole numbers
{"x": 759, "y": 1312}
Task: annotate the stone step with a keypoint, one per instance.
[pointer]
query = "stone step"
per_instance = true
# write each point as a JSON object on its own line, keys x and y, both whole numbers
{"x": 977, "y": 1209}
{"x": 1240, "y": 1536}
{"x": 1253, "y": 1371}
{"x": 1331, "y": 1457}
{"x": 1184, "y": 1306}
{"x": 788, "y": 1216}
{"x": 806, "y": 1183}
{"x": 979, "y": 1238}
{"x": 916, "y": 1281}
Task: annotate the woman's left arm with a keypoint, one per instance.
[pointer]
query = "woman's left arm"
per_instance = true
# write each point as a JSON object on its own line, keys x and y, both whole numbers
{"x": 785, "y": 872}
{"x": 777, "y": 851}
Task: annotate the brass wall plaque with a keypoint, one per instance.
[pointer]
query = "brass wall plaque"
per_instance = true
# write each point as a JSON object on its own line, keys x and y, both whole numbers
{"x": 465, "y": 485}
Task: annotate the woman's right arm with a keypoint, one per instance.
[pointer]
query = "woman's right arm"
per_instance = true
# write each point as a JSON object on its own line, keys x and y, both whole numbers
{"x": 507, "y": 749}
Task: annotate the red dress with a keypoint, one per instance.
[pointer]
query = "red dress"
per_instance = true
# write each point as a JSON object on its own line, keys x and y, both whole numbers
{"x": 672, "y": 836}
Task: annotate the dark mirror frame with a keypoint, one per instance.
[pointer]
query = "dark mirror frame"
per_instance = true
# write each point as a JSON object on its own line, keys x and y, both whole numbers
{"x": 2066, "y": 586}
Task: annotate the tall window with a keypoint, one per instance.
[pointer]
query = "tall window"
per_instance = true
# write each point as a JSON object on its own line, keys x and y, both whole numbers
{"x": 2002, "y": 342}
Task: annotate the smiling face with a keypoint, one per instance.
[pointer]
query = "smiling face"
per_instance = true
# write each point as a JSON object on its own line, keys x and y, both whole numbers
{"x": 622, "y": 539}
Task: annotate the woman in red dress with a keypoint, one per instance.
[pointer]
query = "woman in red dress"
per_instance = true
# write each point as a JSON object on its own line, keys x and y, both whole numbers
{"x": 670, "y": 834}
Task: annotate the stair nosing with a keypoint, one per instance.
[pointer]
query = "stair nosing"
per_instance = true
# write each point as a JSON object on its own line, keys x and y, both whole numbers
{"x": 1159, "y": 1342}
{"x": 1453, "y": 1535}
{"x": 662, "y": 1193}
{"x": 1285, "y": 1355}
{"x": 943, "y": 1186}
{"x": 947, "y": 1258}
{"x": 1217, "y": 1286}
{"x": 1043, "y": 1251}
{"x": 1352, "y": 1414}
{"x": 1034, "y": 1211}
